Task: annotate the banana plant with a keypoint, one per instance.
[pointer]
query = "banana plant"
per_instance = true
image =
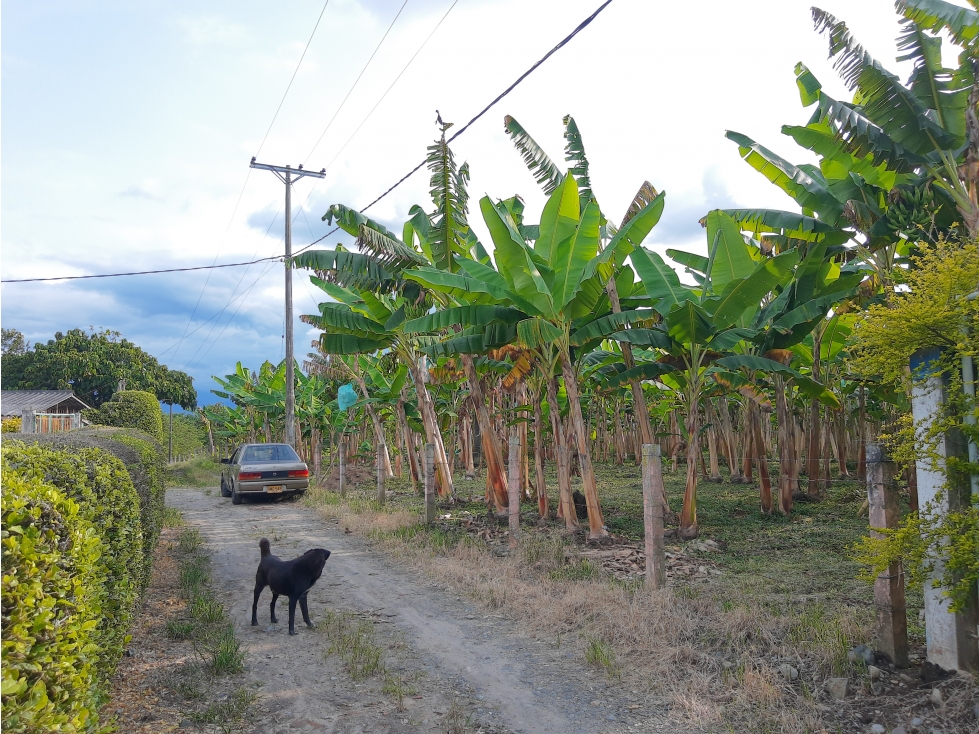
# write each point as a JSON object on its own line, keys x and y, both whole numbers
{"x": 701, "y": 327}
{"x": 549, "y": 176}
{"x": 548, "y": 284}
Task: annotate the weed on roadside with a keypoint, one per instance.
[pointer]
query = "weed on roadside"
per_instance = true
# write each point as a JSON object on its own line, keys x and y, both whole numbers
{"x": 206, "y": 609}
{"x": 172, "y": 517}
{"x": 354, "y": 643}
{"x": 228, "y": 715}
{"x": 397, "y": 687}
{"x": 181, "y": 629}
{"x": 457, "y": 721}
{"x": 187, "y": 680}
{"x": 601, "y": 654}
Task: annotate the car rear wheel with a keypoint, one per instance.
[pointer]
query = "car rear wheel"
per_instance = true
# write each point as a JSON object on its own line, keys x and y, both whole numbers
{"x": 235, "y": 496}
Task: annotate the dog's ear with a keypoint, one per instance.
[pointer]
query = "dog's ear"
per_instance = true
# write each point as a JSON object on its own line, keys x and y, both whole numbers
{"x": 326, "y": 554}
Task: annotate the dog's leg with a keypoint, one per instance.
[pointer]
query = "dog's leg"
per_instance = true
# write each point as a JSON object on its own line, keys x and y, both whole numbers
{"x": 302, "y": 605}
{"x": 275, "y": 598}
{"x": 292, "y": 615}
{"x": 258, "y": 593}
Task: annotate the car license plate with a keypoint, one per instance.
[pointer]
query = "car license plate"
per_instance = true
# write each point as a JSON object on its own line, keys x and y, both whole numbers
{"x": 273, "y": 488}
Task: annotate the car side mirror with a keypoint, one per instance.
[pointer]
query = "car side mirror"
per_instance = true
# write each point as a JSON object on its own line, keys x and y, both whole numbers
{"x": 225, "y": 461}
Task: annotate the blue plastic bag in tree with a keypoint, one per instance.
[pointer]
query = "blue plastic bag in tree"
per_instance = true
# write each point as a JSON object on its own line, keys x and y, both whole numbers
{"x": 346, "y": 396}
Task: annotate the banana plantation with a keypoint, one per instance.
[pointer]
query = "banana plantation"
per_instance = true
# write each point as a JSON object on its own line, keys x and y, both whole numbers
{"x": 571, "y": 334}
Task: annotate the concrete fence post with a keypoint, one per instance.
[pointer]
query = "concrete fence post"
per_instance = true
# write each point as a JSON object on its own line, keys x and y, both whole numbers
{"x": 27, "y": 421}
{"x": 892, "y": 620}
{"x": 951, "y": 638}
{"x": 652, "y": 489}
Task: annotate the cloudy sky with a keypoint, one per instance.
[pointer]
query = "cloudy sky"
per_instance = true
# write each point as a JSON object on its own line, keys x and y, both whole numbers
{"x": 127, "y": 128}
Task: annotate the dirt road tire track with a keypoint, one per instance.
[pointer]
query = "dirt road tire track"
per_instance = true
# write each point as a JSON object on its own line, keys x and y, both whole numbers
{"x": 504, "y": 681}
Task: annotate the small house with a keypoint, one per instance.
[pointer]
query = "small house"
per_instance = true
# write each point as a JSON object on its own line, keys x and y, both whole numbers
{"x": 54, "y": 410}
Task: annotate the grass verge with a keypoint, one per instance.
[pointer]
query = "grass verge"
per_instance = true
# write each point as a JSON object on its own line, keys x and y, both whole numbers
{"x": 710, "y": 644}
{"x": 200, "y": 472}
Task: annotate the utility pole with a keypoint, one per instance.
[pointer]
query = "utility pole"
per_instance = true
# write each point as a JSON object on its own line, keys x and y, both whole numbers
{"x": 288, "y": 176}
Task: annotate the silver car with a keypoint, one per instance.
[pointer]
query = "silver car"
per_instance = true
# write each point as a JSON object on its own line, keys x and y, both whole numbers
{"x": 263, "y": 470}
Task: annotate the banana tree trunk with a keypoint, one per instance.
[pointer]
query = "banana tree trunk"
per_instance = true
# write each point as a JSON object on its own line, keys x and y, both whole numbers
{"x": 413, "y": 469}
{"x": 758, "y": 441}
{"x": 785, "y": 446}
{"x": 813, "y": 488}
{"x": 596, "y": 523}
{"x": 713, "y": 439}
{"x": 495, "y": 469}
{"x": 378, "y": 427}
{"x": 862, "y": 436}
{"x": 565, "y": 503}
{"x": 688, "y": 514}
{"x": 522, "y": 435}
{"x": 542, "y": 506}
{"x": 432, "y": 433}
{"x": 638, "y": 398}
{"x": 728, "y": 440}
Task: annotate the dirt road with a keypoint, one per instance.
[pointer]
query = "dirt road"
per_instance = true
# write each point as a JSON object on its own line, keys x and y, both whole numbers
{"x": 472, "y": 670}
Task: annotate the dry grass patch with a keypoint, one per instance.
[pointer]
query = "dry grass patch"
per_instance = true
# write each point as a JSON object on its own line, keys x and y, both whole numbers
{"x": 711, "y": 651}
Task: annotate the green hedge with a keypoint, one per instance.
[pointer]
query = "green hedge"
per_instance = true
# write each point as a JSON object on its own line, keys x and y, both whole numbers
{"x": 52, "y": 580}
{"x": 106, "y": 498}
{"x": 144, "y": 459}
{"x": 130, "y": 409}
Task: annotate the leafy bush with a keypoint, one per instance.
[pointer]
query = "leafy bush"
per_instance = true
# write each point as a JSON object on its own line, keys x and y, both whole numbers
{"x": 144, "y": 459}
{"x": 52, "y": 579}
{"x": 189, "y": 434}
{"x": 99, "y": 483}
{"x": 10, "y": 425}
{"x": 130, "y": 409}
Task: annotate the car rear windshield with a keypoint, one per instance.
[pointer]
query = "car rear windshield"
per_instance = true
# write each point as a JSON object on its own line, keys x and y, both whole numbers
{"x": 269, "y": 454}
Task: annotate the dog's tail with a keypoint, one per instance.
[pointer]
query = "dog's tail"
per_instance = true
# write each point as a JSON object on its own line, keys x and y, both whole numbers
{"x": 263, "y": 544}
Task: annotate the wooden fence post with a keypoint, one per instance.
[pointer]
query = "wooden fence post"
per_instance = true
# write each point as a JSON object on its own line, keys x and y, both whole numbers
{"x": 892, "y": 621}
{"x": 429, "y": 483}
{"x": 343, "y": 468}
{"x": 652, "y": 490}
{"x": 381, "y": 450}
{"x": 513, "y": 488}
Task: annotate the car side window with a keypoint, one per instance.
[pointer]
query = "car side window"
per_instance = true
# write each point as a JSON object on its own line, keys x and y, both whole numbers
{"x": 235, "y": 456}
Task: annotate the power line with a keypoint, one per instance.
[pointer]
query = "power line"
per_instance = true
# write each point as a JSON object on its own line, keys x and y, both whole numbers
{"x": 286, "y": 93}
{"x": 400, "y": 74}
{"x": 356, "y": 81}
{"x": 248, "y": 175}
{"x": 581, "y": 26}
{"x": 143, "y": 272}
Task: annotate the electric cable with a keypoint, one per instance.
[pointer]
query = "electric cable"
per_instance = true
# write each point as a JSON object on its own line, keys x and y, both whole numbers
{"x": 400, "y": 74}
{"x": 581, "y": 26}
{"x": 356, "y": 81}
{"x": 248, "y": 175}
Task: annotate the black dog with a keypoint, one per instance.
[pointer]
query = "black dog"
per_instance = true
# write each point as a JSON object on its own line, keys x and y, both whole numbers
{"x": 288, "y": 578}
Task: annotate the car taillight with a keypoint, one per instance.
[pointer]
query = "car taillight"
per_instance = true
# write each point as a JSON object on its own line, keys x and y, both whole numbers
{"x": 247, "y": 476}
{"x": 299, "y": 473}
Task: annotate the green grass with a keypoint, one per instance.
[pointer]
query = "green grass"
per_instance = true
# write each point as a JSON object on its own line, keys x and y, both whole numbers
{"x": 353, "y": 640}
{"x": 229, "y": 715}
{"x": 602, "y": 655}
{"x": 201, "y": 471}
{"x": 802, "y": 559}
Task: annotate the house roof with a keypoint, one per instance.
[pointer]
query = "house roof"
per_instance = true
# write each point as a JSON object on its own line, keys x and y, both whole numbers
{"x": 12, "y": 402}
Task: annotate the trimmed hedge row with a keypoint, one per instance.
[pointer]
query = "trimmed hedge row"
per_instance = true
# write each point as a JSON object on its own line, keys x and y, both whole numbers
{"x": 145, "y": 460}
{"x": 52, "y": 579}
{"x": 130, "y": 409}
{"x": 81, "y": 513}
